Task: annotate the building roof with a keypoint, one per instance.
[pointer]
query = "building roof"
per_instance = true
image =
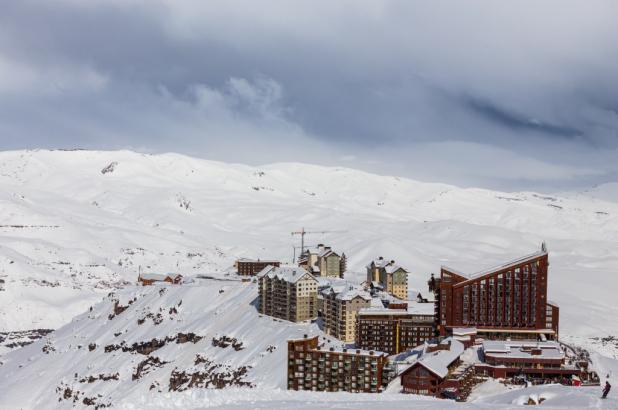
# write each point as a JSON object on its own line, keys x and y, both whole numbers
{"x": 497, "y": 268}
{"x": 421, "y": 308}
{"x": 248, "y": 260}
{"x": 347, "y": 291}
{"x": 522, "y": 349}
{"x": 159, "y": 276}
{"x": 438, "y": 362}
{"x": 378, "y": 263}
{"x": 392, "y": 268}
{"x": 290, "y": 274}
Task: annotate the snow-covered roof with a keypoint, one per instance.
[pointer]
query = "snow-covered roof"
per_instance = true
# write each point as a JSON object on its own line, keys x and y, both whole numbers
{"x": 414, "y": 310}
{"x": 290, "y": 274}
{"x": 159, "y": 276}
{"x": 378, "y": 263}
{"x": 421, "y": 308}
{"x": 352, "y": 292}
{"x": 464, "y": 331}
{"x": 522, "y": 349}
{"x": 497, "y": 268}
{"x": 248, "y": 260}
{"x": 392, "y": 268}
{"x": 153, "y": 276}
{"x": 439, "y": 361}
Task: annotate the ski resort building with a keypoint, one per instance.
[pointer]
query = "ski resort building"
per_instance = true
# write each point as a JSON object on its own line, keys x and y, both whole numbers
{"x": 251, "y": 267}
{"x": 323, "y": 261}
{"x": 394, "y": 330}
{"x": 537, "y": 362}
{"x": 506, "y": 301}
{"x": 340, "y": 306}
{"x": 388, "y": 276}
{"x": 440, "y": 372}
{"x": 288, "y": 293}
{"x": 311, "y": 367}
{"x": 147, "y": 279}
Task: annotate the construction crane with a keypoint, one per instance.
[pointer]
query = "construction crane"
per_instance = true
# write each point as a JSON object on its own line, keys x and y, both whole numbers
{"x": 302, "y": 234}
{"x": 294, "y": 253}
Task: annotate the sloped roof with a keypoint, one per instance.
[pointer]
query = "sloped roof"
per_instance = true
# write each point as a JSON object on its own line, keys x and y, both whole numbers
{"x": 503, "y": 266}
{"x": 159, "y": 276}
{"x": 290, "y": 274}
{"x": 392, "y": 268}
{"x": 438, "y": 362}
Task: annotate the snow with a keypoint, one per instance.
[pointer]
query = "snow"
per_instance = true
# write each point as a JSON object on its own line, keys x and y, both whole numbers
{"x": 70, "y": 235}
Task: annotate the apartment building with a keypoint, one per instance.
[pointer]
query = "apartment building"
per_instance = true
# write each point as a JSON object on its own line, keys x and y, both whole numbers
{"x": 251, "y": 267}
{"x": 288, "y": 293}
{"x": 389, "y": 277}
{"x": 311, "y": 367}
{"x": 505, "y": 301}
{"x": 340, "y": 306}
{"x": 323, "y": 261}
{"x": 394, "y": 330}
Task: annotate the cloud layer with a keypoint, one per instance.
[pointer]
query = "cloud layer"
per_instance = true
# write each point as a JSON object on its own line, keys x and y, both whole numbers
{"x": 509, "y": 95}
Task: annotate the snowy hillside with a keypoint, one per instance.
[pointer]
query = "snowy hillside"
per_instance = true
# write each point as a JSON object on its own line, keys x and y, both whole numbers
{"x": 76, "y": 225}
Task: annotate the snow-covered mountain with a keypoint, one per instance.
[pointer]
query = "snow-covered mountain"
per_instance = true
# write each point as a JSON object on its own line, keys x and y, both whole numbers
{"x": 76, "y": 225}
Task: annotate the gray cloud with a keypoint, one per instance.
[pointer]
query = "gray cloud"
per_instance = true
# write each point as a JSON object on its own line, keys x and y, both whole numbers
{"x": 515, "y": 95}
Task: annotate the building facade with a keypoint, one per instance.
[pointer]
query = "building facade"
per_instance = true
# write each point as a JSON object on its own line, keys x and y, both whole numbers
{"x": 439, "y": 372}
{"x": 508, "y": 300}
{"x": 389, "y": 276}
{"x": 313, "y": 368}
{"x": 251, "y": 267}
{"x": 393, "y": 330}
{"x": 340, "y": 307}
{"x": 288, "y": 293}
{"x": 323, "y": 261}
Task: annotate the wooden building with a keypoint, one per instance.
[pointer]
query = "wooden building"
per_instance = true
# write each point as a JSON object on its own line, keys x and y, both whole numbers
{"x": 147, "y": 279}
{"x": 328, "y": 369}
{"x": 251, "y": 267}
{"x": 439, "y": 372}
{"x": 507, "y": 301}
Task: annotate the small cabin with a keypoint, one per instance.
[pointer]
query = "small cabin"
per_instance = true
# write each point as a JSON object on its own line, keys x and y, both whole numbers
{"x": 147, "y": 279}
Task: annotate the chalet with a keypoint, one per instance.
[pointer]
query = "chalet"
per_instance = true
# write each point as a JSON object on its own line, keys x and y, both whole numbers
{"x": 439, "y": 372}
{"x": 149, "y": 278}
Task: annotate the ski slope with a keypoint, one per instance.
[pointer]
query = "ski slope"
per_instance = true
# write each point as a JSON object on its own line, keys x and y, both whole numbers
{"x": 70, "y": 234}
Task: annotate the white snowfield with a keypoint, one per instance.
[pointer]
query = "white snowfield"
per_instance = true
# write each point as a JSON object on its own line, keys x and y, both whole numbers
{"x": 70, "y": 234}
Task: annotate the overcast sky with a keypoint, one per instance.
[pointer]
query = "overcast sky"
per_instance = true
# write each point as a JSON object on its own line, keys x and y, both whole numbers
{"x": 509, "y": 95}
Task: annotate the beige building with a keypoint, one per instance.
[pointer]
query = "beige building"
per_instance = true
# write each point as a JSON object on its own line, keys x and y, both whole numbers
{"x": 288, "y": 293}
{"x": 388, "y": 276}
{"x": 341, "y": 304}
{"x": 323, "y": 261}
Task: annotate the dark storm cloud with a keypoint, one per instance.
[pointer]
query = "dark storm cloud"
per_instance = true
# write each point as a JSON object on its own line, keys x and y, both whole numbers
{"x": 425, "y": 89}
{"x": 519, "y": 123}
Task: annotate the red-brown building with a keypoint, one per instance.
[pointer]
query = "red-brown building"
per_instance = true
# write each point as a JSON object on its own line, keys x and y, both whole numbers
{"x": 532, "y": 359}
{"x": 394, "y": 330}
{"x": 509, "y": 300}
{"x": 147, "y": 279}
{"x": 328, "y": 369}
{"x": 251, "y": 267}
{"x": 439, "y": 372}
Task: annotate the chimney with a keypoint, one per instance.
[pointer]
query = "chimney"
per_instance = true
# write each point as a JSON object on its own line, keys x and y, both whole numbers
{"x": 392, "y": 261}
{"x": 371, "y": 353}
{"x": 332, "y": 349}
{"x": 380, "y": 258}
{"x": 304, "y": 336}
{"x": 345, "y": 350}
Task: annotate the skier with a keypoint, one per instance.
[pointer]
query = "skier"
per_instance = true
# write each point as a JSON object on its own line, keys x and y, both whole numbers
{"x": 606, "y": 389}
